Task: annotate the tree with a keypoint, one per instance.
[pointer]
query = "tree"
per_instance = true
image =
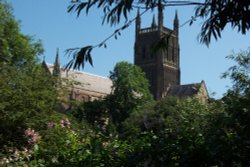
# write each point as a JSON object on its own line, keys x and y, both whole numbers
{"x": 217, "y": 14}
{"x": 16, "y": 48}
{"x": 28, "y": 99}
{"x": 28, "y": 96}
{"x": 240, "y": 73}
{"x": 237, "y": 99}
{"x": 227, "y": 137}
{"x": 170, "y": 132}
{"x": 95, "y": 113}
{"x": 130, "y": 90}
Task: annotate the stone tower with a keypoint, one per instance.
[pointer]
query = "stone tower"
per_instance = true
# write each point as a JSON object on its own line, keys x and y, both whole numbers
{"x": 162, "y": 67}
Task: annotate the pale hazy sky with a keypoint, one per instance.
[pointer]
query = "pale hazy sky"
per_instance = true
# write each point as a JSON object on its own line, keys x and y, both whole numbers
{"x": 49, "y": 21}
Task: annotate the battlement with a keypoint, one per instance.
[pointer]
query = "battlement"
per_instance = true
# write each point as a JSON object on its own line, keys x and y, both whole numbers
{"x": 148, "y": 30}
{"x": 153, "y": 29}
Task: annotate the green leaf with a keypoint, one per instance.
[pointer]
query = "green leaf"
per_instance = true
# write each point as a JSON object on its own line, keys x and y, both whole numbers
{"x": 80, "y": 57}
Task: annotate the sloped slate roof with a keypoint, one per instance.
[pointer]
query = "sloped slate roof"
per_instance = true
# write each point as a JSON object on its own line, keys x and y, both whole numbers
{"x": 183, "y": 90}
{"x": 87, "y": 81}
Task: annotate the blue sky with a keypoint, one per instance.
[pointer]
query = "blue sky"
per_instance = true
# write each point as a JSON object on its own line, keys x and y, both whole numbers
{"x": 49, "y": 21}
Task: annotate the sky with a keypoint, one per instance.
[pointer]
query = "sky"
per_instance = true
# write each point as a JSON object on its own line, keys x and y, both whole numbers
{"x": 49, "y": 21}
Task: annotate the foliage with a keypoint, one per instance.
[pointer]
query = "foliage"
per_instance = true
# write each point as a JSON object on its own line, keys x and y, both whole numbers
{"x": 96, "y": 114}
{"x": 91, "y": 111}
{"x": 16, "y": 49}
{"x": 114, "y": 11}
{"x": 237, "y": 101}
{"x": 27, "y": 94}
{"x": 61, "y": 145}
{"x": 172, "y": 133}
{"x": 219, "y": 13}
{"x": 80, "y": 56}
{"x": 27, "y": 99}
{"x": 239, "y": 74}
{"x": 130, "y": 90}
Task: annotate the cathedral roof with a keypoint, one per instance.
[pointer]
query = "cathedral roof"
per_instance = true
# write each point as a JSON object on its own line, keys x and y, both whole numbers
{"x": 187, "y": 90}
{"x": 86, "y": 81}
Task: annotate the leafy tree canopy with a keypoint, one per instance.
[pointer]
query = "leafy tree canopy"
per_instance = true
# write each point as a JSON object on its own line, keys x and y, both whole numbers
{"x": 28, "y": 96}
{"x": 240, "y": 73}
{"x": 130, "y": 90}
{"x": 28, "y": 99}
{"x": 16, "y": 49}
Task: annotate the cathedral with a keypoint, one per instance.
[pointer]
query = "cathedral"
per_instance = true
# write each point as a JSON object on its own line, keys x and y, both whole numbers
{"x": 160, "y": 64}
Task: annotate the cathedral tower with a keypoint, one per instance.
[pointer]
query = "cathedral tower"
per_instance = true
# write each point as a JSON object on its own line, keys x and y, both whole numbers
{"x": 162, "y": 67}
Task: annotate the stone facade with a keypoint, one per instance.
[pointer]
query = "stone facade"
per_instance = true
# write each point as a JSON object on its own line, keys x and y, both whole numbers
{"x": 84, "y": 86}
{"x": 196, "y": 90}
{"x": 161, "y": 65}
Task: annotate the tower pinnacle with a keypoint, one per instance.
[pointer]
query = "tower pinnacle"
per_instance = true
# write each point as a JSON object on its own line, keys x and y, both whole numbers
{"x": 160, "y": 16}
{"x": 176, "y": 23}
{"x": 56, "y": 69}
{"x": 153, "y": 25}
{"x": 138, "y": 23}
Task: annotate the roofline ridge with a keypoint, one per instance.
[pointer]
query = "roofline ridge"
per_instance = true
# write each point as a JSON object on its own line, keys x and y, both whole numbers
{"x": 191, "y": 83}
{"x": 87, "y": 73}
